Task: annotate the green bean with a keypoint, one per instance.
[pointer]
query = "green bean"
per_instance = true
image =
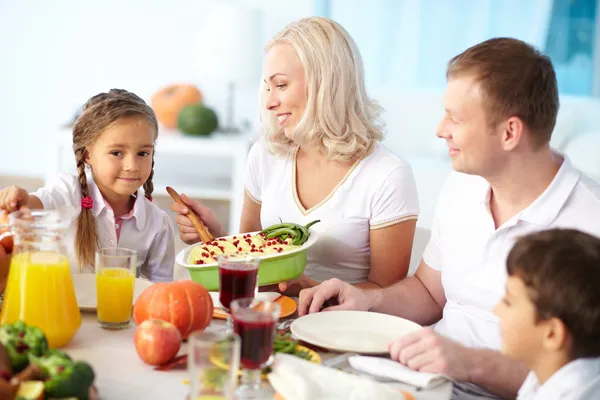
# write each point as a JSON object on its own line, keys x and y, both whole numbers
{"x": 305, "y": 235}
{"x": 277, "y": 226}
{"x": 281, "y": 231}
{"x": 307, "y": 226}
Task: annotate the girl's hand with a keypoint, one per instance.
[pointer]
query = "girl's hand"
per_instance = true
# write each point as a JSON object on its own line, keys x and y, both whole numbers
{"x": 293, "y": 287}
{"x": 187, "y": 232}
{"x": 12, "y": 198}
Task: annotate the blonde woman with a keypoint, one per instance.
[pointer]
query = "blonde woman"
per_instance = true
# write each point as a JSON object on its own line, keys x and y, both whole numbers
{"x": 319, "y": 157}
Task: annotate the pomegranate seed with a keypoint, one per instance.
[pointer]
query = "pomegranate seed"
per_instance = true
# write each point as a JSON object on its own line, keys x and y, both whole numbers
{"x": 222, "y": 248}
{"x": 235, "y": 243}
{"x": 234, "y": 237}
{"x": 239, "y": 249}
{"x": 221, "y": 239}
{"x": 200, "y": 262}
{"x": 212, "y": 253}
{"x": 21, "y": 347}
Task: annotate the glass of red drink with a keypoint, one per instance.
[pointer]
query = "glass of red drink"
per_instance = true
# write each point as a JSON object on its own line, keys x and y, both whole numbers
{"x": 238, "y": 277}
{"x": 254, "y": 321}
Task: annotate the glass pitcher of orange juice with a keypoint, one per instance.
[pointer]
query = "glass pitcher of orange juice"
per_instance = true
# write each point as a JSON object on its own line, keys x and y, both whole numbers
{"x": 40, "y": 289}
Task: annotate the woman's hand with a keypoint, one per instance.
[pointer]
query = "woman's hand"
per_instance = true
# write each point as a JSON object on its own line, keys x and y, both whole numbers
{"x": 293, "y": 287}
{"x": 187, "y": 232}
{"x": 12, "y": 198}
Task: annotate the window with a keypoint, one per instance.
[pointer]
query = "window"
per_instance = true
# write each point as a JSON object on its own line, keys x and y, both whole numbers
{"x": 406, "y": 44}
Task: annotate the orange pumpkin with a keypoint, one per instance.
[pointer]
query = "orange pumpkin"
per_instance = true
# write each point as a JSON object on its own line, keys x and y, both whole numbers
{"x": 186, "y": 304}
{"x": 169, "y": 101}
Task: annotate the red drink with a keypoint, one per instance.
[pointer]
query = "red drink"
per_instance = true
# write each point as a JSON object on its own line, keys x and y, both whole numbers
{"x": 257, "y": 334}
{"x": 236, "y": 280}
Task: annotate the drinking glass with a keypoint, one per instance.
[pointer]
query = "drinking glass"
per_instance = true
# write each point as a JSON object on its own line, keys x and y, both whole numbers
{"x": 213, "y": 363}
{"x": 115, "y": 279}
{"x": 238, "y": 278}
{"x": 254, "y": 321}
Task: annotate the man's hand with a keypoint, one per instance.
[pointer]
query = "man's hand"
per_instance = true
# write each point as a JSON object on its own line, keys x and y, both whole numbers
{"x": 428, "y": 351}
{"x": 348, "y": 297}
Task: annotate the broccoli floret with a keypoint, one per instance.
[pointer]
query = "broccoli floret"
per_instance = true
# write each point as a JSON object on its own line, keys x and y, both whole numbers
{"x": 63, "y": 376}
{"x": 72, "y": 381}
{"x": 20, "y": 342}
{"x": 51, "y": 363}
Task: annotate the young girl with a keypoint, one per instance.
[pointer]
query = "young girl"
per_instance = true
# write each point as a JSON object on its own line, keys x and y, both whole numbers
{"x": 113, "y": 141}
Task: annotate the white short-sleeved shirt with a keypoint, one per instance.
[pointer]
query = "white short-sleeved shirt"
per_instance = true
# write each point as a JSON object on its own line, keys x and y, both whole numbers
{"x": 149, "y": 231}
{"x": 471, "y": 253}
{"x": 578, "y": 380}
{"x": 378, "y": 191}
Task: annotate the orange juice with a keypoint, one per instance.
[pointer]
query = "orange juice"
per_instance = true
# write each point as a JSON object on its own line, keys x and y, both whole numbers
{"x": 115, "y": 294}
{"x": 40, "y": 292}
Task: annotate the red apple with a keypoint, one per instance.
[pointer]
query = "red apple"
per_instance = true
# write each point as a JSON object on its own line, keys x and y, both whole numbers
{"x": 156, "y": 341}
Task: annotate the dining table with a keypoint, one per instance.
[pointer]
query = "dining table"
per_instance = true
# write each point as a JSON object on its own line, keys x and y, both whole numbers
{"x": 122, "y": 375}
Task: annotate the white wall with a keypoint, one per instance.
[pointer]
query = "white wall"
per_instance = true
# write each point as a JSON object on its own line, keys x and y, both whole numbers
{"x": 55, "y": 54}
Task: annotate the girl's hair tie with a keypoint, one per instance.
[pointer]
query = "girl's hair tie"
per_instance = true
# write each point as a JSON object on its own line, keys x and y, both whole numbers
{"x": 86, "y": 202}
{"x": 149, "y": 198}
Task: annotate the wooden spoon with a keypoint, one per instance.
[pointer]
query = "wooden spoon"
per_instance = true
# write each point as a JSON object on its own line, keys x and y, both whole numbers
{"x": 205, "y": 235}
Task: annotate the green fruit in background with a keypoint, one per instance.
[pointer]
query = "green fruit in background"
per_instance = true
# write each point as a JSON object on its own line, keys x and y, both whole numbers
{"x": 197, "y": 119}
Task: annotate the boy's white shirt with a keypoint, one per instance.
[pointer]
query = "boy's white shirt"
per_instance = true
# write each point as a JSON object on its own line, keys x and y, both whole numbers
{"x": 149, "y": 231}
{"x": 578, "y": 380}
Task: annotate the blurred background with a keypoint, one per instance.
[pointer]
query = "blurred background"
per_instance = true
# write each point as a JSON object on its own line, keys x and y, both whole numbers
{"x": 55, "y": 54}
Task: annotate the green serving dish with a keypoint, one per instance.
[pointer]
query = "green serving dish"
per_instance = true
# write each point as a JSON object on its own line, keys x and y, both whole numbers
{"x": 273, "y": 268}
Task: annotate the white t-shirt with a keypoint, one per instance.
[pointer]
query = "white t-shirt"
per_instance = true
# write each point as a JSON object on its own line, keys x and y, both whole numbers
{"x": 471, "y": 253}
{"x": 149, "y": 231}
{"x": 378, "y": 191}
{"x": 578, "y": 380}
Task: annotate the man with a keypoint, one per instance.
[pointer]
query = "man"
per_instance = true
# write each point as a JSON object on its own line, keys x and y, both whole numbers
{"x": 500, "y": 105}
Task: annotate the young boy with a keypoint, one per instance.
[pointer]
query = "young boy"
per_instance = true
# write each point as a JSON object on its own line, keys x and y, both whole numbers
{"x": 550, "y": 315}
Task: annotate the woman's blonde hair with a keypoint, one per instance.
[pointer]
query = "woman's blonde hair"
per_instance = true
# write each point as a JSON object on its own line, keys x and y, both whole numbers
{"x": 99, "y": 113}
{"x": 339, "y": 117}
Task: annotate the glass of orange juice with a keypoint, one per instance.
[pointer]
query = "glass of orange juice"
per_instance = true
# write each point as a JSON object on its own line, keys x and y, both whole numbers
{"x": 115, "y": 277}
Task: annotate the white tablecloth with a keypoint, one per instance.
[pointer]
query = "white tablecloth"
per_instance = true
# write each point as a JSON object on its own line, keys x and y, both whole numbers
{"x": 122, "y": 375}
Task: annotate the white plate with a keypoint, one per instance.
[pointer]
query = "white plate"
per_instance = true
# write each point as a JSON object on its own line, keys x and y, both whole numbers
{"x": 352, "y": 331}
{"x": 85, "y": 290}
{"x": 184, "y": 255}
{"x": 270, "y": 296}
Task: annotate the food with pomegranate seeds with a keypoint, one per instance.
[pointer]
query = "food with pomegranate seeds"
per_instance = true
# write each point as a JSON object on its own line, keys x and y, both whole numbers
{"x": 277, "y": 238}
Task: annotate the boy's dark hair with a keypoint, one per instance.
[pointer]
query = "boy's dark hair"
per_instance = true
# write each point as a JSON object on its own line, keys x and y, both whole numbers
{"x": 561, "y": 270}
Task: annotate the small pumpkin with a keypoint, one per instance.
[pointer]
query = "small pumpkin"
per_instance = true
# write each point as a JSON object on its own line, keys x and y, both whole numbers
{"x": 196, "y": 119}
{"x": 186, "y": 304}
{"x": 168, "y": 102}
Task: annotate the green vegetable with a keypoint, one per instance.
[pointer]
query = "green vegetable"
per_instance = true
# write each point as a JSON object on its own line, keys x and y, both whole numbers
{"x": 284, "y": 343}
{"x": 21, "y": 342}
{"x": 65, "y": 377}
{"x": 299, "y": 233}
{"x": 307, "y": 226}
{"x": 281, "y": 232}
{"x": 197, "y": 119}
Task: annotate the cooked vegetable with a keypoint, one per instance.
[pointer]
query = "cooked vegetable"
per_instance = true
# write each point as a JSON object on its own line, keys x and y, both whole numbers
{"x": 20, "y": 342}
{"x": 299, "y": 233}
{"x": 284, "y": 343}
